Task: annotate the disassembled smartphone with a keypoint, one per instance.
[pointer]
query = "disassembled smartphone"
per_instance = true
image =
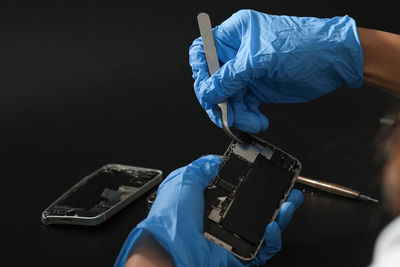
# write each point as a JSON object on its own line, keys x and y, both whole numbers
{"x": 251, "y": 185}
{"x": 101, "y": 194}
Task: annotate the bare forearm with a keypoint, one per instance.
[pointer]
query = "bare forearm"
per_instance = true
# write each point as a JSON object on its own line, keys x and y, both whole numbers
{"x": 147, "y": 252}
{"x": 381, "y": 59}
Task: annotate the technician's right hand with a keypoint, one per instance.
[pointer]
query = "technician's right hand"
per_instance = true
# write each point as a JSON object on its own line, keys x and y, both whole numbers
{"x": 275, "y": 59}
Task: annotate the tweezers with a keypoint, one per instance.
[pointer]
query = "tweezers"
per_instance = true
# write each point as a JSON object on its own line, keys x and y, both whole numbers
{"x": 213, "y": 65}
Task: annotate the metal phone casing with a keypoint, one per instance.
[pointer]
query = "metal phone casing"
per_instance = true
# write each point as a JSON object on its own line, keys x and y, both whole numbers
{"x": 215, "y": 228}
{"x": 100, "y": 218}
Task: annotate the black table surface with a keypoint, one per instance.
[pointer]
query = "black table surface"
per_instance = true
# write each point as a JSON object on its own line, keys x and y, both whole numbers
{"x": 85, "y": 84}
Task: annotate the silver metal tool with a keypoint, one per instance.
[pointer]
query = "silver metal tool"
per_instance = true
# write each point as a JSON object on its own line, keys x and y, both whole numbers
{"x": 213, "y": 65}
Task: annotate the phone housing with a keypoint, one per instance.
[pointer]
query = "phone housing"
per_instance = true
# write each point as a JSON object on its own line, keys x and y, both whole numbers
{"x": 252, "y": 183}
{"x": 101, "y": 194}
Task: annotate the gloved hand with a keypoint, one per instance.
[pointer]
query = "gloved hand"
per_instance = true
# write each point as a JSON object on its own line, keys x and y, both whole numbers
{"x": 176, "y": 220}
{"x": 275, "y": 59}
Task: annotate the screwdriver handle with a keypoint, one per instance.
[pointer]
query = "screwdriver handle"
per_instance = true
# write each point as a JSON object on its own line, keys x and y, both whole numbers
{"x": 329, "y": 187}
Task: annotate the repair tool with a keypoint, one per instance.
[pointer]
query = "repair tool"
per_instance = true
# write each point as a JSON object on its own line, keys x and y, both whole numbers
{"x": 213, "y": 65}
{"x": 335, "y": 189}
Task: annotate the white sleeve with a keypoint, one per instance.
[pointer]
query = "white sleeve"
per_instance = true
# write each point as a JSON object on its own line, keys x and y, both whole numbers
{"x": 387, "y": 247}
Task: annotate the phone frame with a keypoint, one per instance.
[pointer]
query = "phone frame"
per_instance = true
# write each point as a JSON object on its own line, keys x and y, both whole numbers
{"x": 250, "y": 140}
{"x": 100, "y": 218}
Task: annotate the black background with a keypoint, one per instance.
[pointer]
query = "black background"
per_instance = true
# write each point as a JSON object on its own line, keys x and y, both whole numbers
{"x": 83, "y": 84}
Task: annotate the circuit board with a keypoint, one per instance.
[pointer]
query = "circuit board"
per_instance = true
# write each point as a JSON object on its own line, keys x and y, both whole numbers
{"x": 252, "y": 183}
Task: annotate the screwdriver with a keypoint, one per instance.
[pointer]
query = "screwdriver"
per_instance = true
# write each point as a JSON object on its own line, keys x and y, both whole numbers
{"x": 335, "y": 189}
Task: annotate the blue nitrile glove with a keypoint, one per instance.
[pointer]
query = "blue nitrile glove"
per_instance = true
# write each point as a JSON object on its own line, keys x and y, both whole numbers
{"x": 275, "y": 59}
{"x": 176, "y": 220}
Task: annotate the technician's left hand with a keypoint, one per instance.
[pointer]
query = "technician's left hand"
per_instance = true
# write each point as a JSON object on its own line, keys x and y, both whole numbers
{"x": 176, "y": 220}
